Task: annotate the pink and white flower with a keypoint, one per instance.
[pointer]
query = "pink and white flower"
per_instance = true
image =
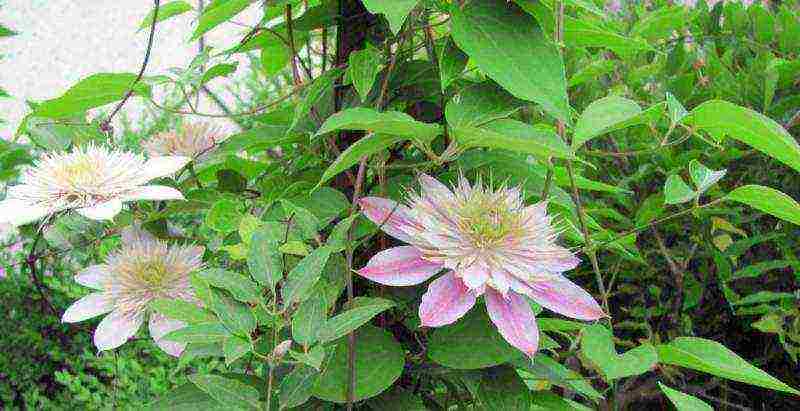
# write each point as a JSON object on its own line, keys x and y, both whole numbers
{"x": 489, "y": 243}
{"x": 143, "y": 270}
{"x": 92, "y": 180}
{"x": 195, "y": 141}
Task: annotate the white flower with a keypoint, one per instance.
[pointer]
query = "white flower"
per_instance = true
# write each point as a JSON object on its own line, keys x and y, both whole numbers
{"x": 143, "y": 270}
{"x": 195, "y": 141}
{"x": 93, "y": 180}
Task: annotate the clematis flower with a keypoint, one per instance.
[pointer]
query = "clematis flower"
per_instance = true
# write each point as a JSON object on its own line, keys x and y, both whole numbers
{"x": 488, "y": 243}
{"x": 143, "y": 270}
{"x": 194, "y": 141}
{"x": 92, "y": 180}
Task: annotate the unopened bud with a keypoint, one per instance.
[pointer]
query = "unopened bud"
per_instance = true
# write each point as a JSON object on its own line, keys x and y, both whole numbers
{"x": 280, "y": 350}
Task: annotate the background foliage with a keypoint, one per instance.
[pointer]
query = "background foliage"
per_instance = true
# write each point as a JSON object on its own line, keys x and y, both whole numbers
{"x": 663, "y": 136}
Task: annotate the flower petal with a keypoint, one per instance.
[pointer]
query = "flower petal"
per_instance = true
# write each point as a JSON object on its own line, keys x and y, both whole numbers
{"x": 565, "y": 297}
{"x": 153, "y": 192}
{"x": 399, "y": 266}
{"x": 93, "y": 276}
{"x": 433, "y": 188}
{"x": 17, "y": 212}
{"x": 393, "y": 218}
{"x": 476, "y": 275}
{"x": 159, "y": 327}
{"x": 514, "y": 319}
{"x": 102, "y": 211}
{"x": 164, "y": 166}
{"x": 116, "y": 328}
{"x": 136, "y": 234}
{"x": 87, "y": 307}
{"x": 446, "y": 300}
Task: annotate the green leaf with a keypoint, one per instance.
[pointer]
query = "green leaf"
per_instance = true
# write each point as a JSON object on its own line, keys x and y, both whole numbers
{"x": 6, "y": 32}
{"x": 454, "y": 346}
{"x": 603, "y": 116}
{"x": 395, "y": 11}
{"x": 275, "y": 54}
{"x": 452, "y": 62}
{"x": 264, "y": 259}
{"x": 312, "y": 358}
{"x": 199, "y": 334}
{"x": 597, "y": 346}
{"x": 514, "y": 136}
{"x": 224, "y": 216}
{"x": 337, "y": 241}
{"x": 363, "y": 69}
{"x": 165, "y": 11}
{"x": 182, "y": 310}
{"x": 186, "y": 397}
{"x": 546, "y": 368}
{"x": 227, "y": 391}
{"x": 91, "y": 92}
{"x": 479, "y": 104}
{"x": 363, "y": 147}
{"x": 237, "y": 317}
{"x": 235, "y": 347}
{"x": 684, "y": 402}
{"x": 314, "y": 92}
{"x": 676, "y": 191}
{"x": 379, "y": 363}
{"x": 594, "y": 71}
{"x": 714, "y": 358}
{"x": 507, "y": 44}
{"x": 308, "y": 321}
{"x": 650, "y": 209}
{"x": 304, "y": 276}
{"x": 502, "y": 389}
{"x": 386, "y": 122}
{"x": 214, "y": 16}
{"x": 364, "y": 309}
{"x": 661, "y": 23}
{"x": 704, "y": 177}
{"x": 241, "y": 287}
{"x": 219, "y": 70}
{"x": 295, "y": 388}
{"x": 768, "y": 200}
{"x": 302, "y": 219}
{"x": 747, "y": 126}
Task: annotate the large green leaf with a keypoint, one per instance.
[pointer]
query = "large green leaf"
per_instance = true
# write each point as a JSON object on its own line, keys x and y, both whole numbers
{"x": 597, "y": 346}
{"x": 514, "y": 136}
{"x": 264, "y": 259}
{"x": 602, "y": 116}
{"x": 395, "y": 11}
{"x": 507, "y": 44}
{"x": 91, "y": 92}
{"x": 455, "y": 345}
{"x": 546, "y": 368}
{"x": 379, "y": 362}
{"x": 314, "y": 93}
{"x": 237, "y": 317}
{"x": 199, "y": 334}
{"x": 241, "y": 287}
{"x": 364, "y": 147}
{"x": 479, "y": 104}
{"x": 714, "y": 358}
{"x": 452, "y": 62}
{"x": 309, "y": 319}
{"x": 165, "y": 11}
{"x": 386, "y": 122}
{"x": 301, "y": 280}
{"x": 363, "y": 68}
{"x": 182, "y": 310}
{"x": 227, "y": 391}
{"x": 676, "y": 191}
{"x": 295, "y": 388}
{"x": 684, "y": 402}
{"x": 186, "y": 397}
{"x": 768, "y": 200}
{"x": 363, "y": 310}
{"x": 214, "y": 16}
{"x": 754, "y": 129}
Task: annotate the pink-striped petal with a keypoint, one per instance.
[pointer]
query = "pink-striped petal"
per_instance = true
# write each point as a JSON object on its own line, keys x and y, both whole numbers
{"x": 514, "y": 319}
{"x": 565, "y": 297}
{"x": 476, "y": 275}
{"x": 393, "y": 218}
{"x": 434, "y": 189}
{"x": 399, "y": 266}
{"x": 88, "y": 307}
{"x": 446, "y": 300}
{"x": 159, "y": 327}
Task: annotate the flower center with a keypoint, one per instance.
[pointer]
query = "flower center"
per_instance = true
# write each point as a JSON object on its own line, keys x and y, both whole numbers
{"x": 487, "y": 221}
{"x": 151, "y": 273}
{"x": 79, "y": 171}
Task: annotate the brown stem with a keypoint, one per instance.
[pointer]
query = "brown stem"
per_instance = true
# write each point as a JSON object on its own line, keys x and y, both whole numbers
{"x": 677, "y": 277}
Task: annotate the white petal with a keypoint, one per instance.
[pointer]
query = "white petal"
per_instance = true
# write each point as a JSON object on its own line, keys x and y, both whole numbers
{"x": 163, "y": 166}
{"x": 87, "y": 307}
{"x": 136, "y": 234}
{"x": 93, "y": 276}
{"x": 17, "y": 212}
{"x": 102, "y": 211}
{"x": 116, "y": 329}
{"x": 154, "y": 192}
{"x": 161, "y": 326}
